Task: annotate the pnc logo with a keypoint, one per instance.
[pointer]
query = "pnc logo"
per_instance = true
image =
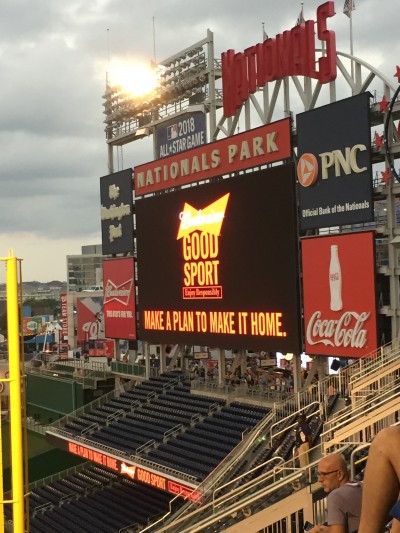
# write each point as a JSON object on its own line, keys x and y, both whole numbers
{"x": 339, "y": 162}
{"x": 307, "y": 170}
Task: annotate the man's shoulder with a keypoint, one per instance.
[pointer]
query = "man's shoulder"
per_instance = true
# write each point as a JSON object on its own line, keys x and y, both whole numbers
{"x": 345, "y": 490}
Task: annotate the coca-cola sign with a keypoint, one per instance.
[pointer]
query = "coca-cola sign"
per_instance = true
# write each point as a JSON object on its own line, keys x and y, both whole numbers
{"x": 339, "y": 295}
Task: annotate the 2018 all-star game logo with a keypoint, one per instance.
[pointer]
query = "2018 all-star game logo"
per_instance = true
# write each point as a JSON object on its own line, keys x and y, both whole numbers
{"x": 200, "y": 231}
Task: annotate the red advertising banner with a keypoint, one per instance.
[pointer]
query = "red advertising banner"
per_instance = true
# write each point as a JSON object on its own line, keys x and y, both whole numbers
{"x": 135, "y": 472}
{"x": 119, "y": 298}
{"x": 339, "y": 295}
{"x": 249, "y": 149}
{"x": 90, "y": 318}
{"x": 64, "y": 315}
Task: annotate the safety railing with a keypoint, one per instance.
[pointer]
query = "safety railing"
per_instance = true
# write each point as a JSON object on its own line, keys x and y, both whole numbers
{"x": 364, "y": 422}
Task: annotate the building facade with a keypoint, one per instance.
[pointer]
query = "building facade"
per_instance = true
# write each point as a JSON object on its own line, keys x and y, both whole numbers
{"x": 85, "y": 271}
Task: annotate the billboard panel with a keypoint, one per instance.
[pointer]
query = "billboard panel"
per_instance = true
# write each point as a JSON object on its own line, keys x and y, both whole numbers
{"x": 339, "y": 295}
{"x": 116, "y": 212}
{"x": 119, "y": 298}
{"x": 33, "y": 325}
{"x": 334, "y": 169}
{"x": 179, "y": 134}
{"x": 249, "y": 149}
{"x": 90, "y": 318}
{"x": 217, "y": 264}
{"x": 64, "y": 315}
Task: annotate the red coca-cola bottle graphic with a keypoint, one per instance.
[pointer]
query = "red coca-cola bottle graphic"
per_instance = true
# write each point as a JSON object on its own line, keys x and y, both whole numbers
{"x": 335, "y": 280}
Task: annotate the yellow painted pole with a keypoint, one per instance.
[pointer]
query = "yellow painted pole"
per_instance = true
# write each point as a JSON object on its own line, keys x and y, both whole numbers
{"x": 1, "y": 476}
{"x": 17, "y": 477}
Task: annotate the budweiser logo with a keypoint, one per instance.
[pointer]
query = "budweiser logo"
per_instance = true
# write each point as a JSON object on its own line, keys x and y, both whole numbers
{"x": 120, "y": 293}
{"x": 344, "y": 331}
{"x": 208, "y": 219}
{"x": 129, "y": 470}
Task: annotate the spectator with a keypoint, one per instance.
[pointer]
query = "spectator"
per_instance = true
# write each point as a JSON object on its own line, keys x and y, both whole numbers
{"x": 395, "y": 514}
{"x": 381, "y": 481}
{"x": 344, "y": 496}
{"x": 303, "y": 440}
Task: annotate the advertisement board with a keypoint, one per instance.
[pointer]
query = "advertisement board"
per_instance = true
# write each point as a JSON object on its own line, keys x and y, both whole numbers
{"x": 90, "y": 318}
{"x": 249, "y": 149}
{"x": 119, "y": 298}
{"x": 179, "y": 134}
{"x": 64, "y": 315}
{"x": 33, "y": 325}
{"x": 339, "y": 295}
{"x": 133, "y": 471}
{"x": 116, "y": 212}
{"x": 217, "y": 264}
{"x": 334, "y": 169}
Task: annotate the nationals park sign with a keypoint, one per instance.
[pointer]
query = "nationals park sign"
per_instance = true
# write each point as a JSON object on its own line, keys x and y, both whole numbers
{"x": 291, "y": 53}
{"x": 249, "y": 149}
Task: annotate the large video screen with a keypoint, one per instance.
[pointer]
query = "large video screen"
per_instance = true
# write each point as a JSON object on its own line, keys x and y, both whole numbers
{"x": 217, "y": 264}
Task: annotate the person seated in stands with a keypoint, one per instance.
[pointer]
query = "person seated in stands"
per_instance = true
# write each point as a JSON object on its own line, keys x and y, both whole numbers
{"x": 381, "y": 481}
{"x": 344, "y": 496}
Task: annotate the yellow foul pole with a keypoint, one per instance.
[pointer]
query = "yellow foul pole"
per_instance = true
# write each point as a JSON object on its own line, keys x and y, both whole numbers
{"x": 17, "y": 477}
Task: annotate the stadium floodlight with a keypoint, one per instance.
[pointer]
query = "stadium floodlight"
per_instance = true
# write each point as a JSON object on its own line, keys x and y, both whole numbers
{"x": 184, "y": 79}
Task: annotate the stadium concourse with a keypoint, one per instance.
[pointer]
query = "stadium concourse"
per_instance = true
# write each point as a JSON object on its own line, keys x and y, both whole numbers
{"x": 228, "y": 460}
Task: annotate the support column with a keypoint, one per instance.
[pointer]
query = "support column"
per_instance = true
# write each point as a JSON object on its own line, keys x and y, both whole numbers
{"x": 296, "y": 363}
{"x": 163, "y": 358}
{"x": 146, "y": 353}
{"x": 221, "y": 365}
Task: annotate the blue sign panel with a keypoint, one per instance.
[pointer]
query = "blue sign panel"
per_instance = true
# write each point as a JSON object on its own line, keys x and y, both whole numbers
{"x": 180, "y": 134}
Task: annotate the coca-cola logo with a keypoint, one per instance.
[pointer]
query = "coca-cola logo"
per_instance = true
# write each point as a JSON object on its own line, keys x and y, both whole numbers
{"x": 346, "y": 331}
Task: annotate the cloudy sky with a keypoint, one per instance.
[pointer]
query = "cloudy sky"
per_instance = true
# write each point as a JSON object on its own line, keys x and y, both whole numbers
{"x": 54, "y": 55}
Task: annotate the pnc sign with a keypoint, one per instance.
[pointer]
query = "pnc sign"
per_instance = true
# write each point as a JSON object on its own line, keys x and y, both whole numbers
{"x": 291, "y": 53}
{"x": 334, "y": 168}
{"x": 342, "y": 162}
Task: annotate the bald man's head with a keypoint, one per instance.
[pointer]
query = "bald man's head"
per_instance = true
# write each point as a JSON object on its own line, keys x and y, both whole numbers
{"x": 332, "y": 472}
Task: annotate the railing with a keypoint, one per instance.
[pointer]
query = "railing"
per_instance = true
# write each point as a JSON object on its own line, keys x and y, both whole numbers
{"x": 252, "y": 497}
{"x": 278, "y": 460}
{"x": 284, "y": 423}
{"x": 364, "y": 422}
{"x": 173, "y": 431}
{"x": 207, "y": 486}
{"x": 374, "y": 362}
{"x": 130, "y": 369}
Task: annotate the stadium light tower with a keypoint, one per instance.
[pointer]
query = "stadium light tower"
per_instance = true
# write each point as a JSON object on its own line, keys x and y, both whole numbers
{"x": 186, "y": 83}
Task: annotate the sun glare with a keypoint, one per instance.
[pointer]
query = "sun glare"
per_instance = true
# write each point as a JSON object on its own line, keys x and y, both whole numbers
{"x": 137, "y": 79}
